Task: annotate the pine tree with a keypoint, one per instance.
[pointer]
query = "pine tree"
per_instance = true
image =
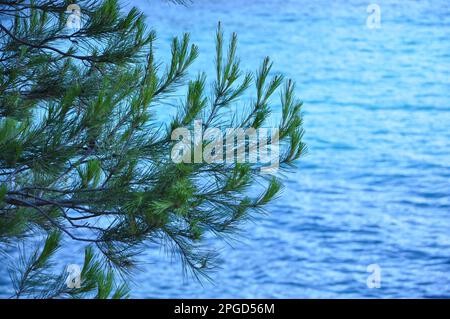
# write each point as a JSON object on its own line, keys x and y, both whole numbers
{"x": 83, "y": 157}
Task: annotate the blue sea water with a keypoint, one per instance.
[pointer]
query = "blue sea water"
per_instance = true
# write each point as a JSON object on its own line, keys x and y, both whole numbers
{"x": 375, "y": 186}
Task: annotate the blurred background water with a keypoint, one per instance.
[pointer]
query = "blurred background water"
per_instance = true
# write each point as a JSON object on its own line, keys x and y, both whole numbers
{"x": 374, "y": 188}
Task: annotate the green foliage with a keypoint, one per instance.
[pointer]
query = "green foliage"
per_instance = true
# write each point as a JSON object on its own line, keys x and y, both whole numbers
{"x": 82, "y": 156}
{"x": 33, "y": 276}
{"x": 3, "y": 191}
